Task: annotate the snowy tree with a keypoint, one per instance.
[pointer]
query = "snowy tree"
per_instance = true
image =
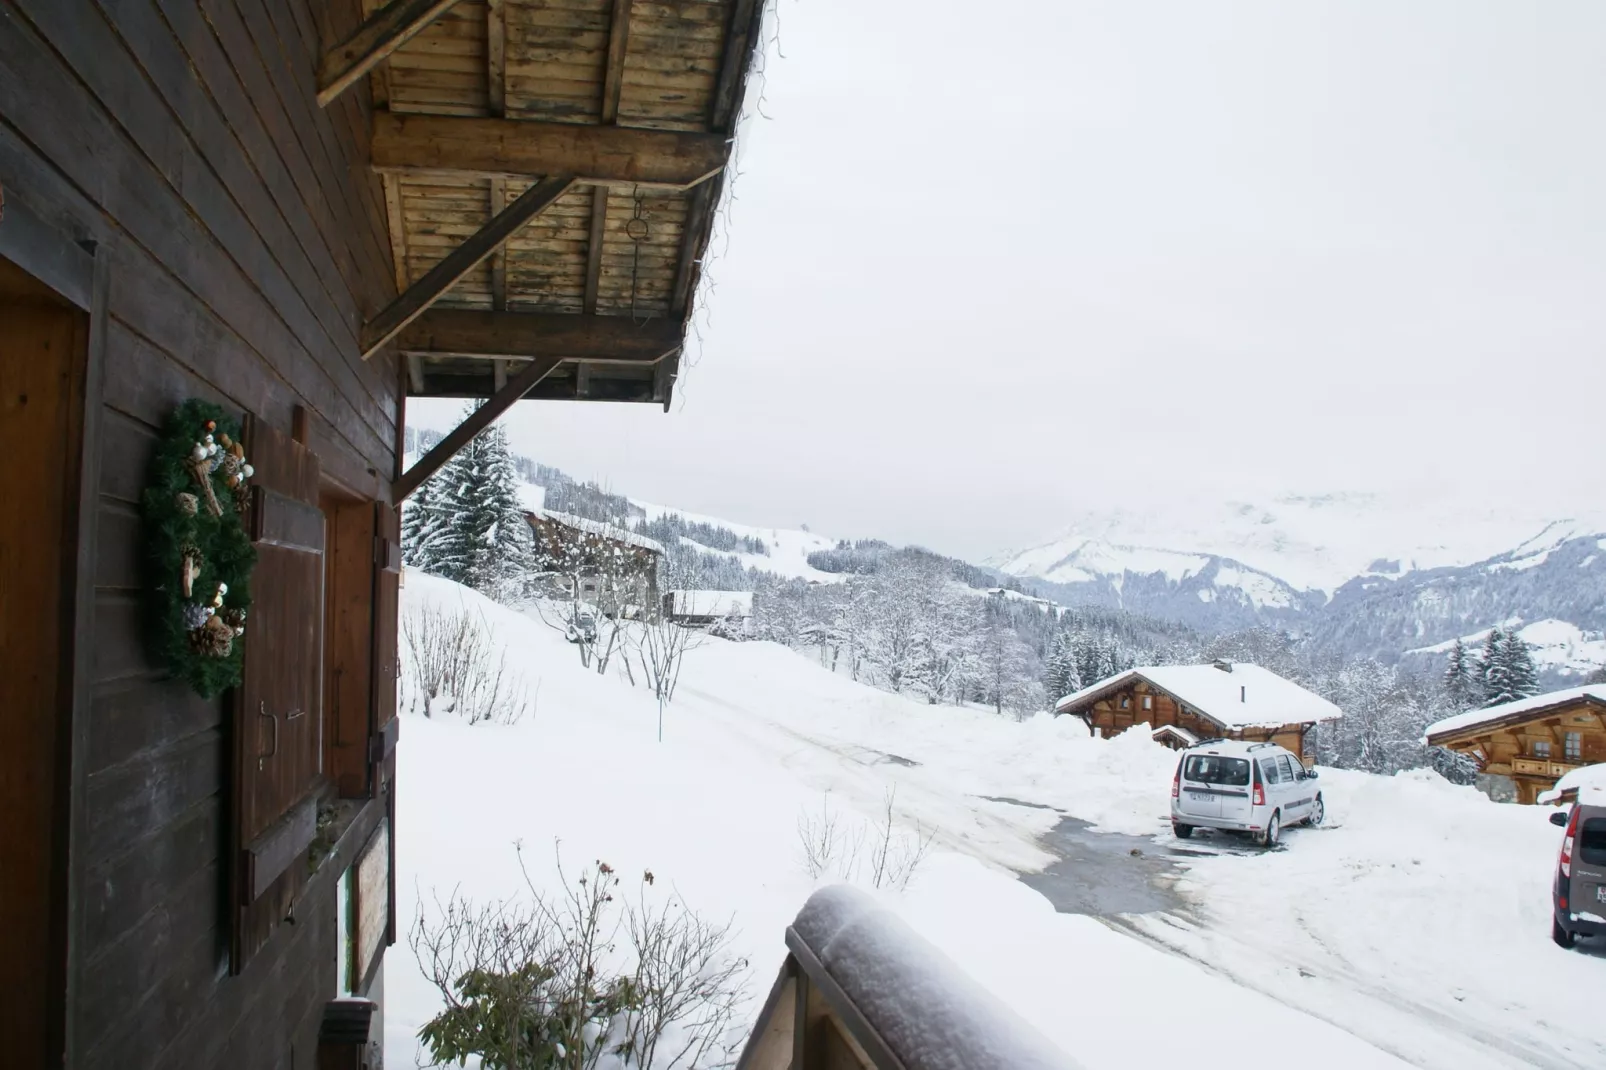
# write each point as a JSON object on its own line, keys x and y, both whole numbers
{"x": 1520, "y": 668}
{"x": 483, "y": 540}
{"x": 1062, "y": 676}
{"x": 422, "y": 519}
{"x": 1597, "y": 677}
{"x": 1007, "y": 680}
{"x": 1460, "y": 688}
{"x": 1493, "y": 676}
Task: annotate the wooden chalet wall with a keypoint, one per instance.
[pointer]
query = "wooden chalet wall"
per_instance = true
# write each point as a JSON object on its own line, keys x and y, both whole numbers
{"x": 1535, "y": 751}
{"x": 243, "y": 240}
{"x": 1119, "y": 710}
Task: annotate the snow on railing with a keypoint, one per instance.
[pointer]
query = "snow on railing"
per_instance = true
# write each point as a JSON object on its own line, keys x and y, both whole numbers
{"x": 860, "y": 990}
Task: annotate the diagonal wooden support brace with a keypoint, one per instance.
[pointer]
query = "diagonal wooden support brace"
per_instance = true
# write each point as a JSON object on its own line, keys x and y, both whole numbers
{"x": 381, "y": 33}
{"x": 473, "y": 424}
{"x": 460, "y": 261}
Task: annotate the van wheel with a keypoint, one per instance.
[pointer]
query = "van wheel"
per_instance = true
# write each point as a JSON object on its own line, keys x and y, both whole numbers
{"x": 1182, "y": 831}
{"x": 1273, "y": 833}
{"x": 1562, "y": 937}
{"x": 1318, "y": 813}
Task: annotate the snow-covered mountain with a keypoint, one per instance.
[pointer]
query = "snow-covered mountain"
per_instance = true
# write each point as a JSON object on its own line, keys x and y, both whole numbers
{"x": 1308, "y": 542}
{"x": 1361, "y": 573}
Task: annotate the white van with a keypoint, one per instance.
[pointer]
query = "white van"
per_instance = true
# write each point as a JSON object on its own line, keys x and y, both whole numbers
{"x": 1259, "y": 788}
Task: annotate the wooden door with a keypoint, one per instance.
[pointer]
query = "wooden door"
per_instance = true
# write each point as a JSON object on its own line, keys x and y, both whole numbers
{"x": 279, "y": 705}
{"x": 42, "y": 350}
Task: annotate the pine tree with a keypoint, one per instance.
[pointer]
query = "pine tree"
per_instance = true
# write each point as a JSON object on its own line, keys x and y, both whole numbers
{"x": 1458, "y": 682}
{"x": 420, "y": 525}
{"x": 481, "y": 539}
{"x": 1495, "y": 670}
{"x": 1490, "y": 658}
{"x": 1062, "y": 677}
{"x": 1524, "y": 674}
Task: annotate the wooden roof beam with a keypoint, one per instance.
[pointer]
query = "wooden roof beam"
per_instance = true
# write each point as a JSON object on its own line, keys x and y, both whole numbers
{"x": 468, "y": 146}
{"x": 474, "y": 333}
{"x": 475, "y": 422}
{"x": 381, "y": 33}
{"x": 460, "y": 261}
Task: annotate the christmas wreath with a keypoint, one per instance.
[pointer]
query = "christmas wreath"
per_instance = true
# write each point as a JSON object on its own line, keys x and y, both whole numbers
{"x": 198, "y": 551}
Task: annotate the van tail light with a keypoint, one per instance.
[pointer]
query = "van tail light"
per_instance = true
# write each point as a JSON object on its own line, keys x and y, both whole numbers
{"x": 1176, "y": 780}
{"x": 1260, "y": 795}
{"x": 1567, "y": 844}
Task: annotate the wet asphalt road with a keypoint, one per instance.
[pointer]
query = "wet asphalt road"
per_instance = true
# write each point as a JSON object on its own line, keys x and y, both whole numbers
{"x": 1105, "y": 873}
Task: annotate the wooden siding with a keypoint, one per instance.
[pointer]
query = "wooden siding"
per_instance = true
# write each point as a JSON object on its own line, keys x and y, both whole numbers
{"x": 1109, "y": 717}
{"x": 1517, "y": 749}
{"x": 247, "y": 241}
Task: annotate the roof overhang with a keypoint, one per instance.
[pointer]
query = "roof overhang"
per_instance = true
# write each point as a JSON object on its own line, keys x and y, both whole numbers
{"x": 1478, "y": 729}
{"x": 550, "y": 176}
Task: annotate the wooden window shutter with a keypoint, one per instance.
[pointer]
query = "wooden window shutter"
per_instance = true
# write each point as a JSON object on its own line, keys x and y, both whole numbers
{"x": 387, "y": 663}
{"x": 387, "y": 672}
{"x": 277, "y": 729}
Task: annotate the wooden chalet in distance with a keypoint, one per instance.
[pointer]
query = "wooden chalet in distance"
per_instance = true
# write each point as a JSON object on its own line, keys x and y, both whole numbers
{"x": 590, "y": 561}
{"x": 1186, "y": 703}
{"x": 1534, "y": 741}
{"x": 304, "y": 212}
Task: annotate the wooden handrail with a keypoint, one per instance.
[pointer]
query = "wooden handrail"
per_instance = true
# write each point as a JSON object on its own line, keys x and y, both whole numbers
{"x": 859, "y": 990}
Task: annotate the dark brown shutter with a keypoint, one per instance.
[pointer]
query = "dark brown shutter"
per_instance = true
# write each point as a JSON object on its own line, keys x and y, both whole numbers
{"x": 387, "y": 665}
{"x": 278, "y": 707}
{"x": 387, "y": 670}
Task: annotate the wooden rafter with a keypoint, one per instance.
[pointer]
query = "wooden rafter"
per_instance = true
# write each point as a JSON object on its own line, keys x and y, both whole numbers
{"x": 613, "y": 79}
{"x": 460, "y": 261}
{"x": 599, "y": 234}
{"x": 380, "y": 34}
{"x": 476, "y": 333}
{"x": 499, "y": 256}
{"x": 602, "y": 155}
{"x": 496, "y": 56}
{"x": 744, "y": 22}
{"x": 475, "y": 422}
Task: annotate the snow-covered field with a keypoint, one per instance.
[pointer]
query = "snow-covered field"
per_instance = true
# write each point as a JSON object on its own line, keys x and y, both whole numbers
{"x": 1415, "y": 926}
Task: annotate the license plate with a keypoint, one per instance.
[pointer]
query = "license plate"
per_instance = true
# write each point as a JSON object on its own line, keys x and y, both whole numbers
{"x": 1194, "y": 796}
{"x": 1600, "y": 893}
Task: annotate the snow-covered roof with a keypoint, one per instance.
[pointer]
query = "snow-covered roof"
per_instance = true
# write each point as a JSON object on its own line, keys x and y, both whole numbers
{"x": 1589, "y": 782}
{"x": 1241, "y": 696}
{"x": 711, "y": 603}
{"x": 1176, "y": 730}
{"x": 597, "y": 527}
{"x": 1509, "y": 710}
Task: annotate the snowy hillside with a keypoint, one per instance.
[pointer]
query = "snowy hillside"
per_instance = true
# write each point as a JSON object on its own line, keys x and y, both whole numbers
{"x": 787, "y": 549}
{"x": 1310, "y": 943}
{"x": 1308, "y": 542}
{"x": 1557, "y": 646}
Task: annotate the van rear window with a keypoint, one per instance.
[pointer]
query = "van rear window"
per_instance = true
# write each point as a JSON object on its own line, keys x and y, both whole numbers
{"x": 1592, "y": 841}
{"x": 1212, "y": 769}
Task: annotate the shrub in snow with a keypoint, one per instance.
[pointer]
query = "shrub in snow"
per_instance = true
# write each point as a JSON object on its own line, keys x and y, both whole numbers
{"x": 450, "y": 664}
{"x": 576, "y": 980}
{"x": 832, "y": 847}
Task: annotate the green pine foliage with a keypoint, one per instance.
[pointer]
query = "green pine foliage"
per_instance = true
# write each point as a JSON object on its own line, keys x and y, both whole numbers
{"x": 468, "y": 525}
{"x": 227, "y": 555}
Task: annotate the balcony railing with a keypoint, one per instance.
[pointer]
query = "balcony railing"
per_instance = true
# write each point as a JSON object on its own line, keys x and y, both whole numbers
{"x": 1541, "y": 767}
{"x": 860, "y": 990}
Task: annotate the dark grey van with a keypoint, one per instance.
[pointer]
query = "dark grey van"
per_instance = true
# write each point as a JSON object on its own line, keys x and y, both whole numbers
{"x": 1580, "y": 891}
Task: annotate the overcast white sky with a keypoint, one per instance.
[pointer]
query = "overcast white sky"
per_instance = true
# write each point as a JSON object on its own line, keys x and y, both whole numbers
{"x": 992, "y": 265}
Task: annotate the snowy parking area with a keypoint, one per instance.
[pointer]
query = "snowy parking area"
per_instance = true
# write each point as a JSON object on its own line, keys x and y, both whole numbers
{"x": 1414, "y": 931}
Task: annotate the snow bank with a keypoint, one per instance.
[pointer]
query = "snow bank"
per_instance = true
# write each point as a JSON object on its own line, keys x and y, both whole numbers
{"x": 1378, "y": 926}
{"x": 1589, "y": 782}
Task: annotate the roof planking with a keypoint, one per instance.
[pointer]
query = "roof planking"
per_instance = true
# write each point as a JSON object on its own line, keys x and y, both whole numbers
{"x": 1511, "y": 711}
{"x": 637, "y": 100}
{"x": 1246, "y": 696}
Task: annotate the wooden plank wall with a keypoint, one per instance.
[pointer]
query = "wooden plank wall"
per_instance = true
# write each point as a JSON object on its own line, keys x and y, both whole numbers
{"x": 246, "y": 241}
